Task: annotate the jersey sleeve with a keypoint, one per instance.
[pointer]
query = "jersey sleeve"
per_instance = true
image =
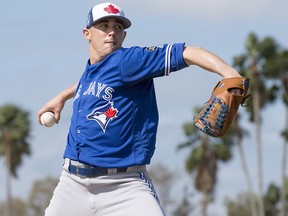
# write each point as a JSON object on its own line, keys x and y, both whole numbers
{"x": 141, "y": 63}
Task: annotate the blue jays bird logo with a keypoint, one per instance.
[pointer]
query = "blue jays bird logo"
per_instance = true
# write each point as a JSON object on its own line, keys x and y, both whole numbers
{"x": 103, "y": 115}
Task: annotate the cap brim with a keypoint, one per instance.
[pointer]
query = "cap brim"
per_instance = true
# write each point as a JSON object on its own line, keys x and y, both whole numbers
{"x": 125, "y": 22}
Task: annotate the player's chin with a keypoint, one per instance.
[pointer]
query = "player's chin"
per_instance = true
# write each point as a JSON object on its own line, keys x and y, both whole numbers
{"x": 111, "y": 48}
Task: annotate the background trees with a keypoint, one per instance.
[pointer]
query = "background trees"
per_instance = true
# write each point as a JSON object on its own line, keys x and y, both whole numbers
{"x": 14, "y": 133}
{"x": 251, "y": 64}
{"x": 266, "y": 64}
{"x": 39, "y": 197}
{"x": 205, "y": 154}
{"x": 277, "y": 70}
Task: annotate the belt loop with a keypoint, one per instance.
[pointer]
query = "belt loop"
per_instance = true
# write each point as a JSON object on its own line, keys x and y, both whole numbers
{"x": 66, "y": 164}
{"x": 77, "y": 170}
{"x": 111, "y": 170}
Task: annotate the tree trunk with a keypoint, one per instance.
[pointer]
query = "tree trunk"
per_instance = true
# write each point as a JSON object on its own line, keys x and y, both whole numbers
{"x": 7, "y": 150}
{"x": 252, "y": 201}
{"x": 204, "y": 204}
{"x": 283, "y": 169}
{"x": 8, "y": 180}
{"x": 256, "y": 112}
{"x": 251, "y": 195}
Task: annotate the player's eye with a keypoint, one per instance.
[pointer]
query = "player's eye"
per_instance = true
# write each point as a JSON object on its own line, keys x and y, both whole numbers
{"x": 104, "y": 25}
{"x": 119, "y": 27}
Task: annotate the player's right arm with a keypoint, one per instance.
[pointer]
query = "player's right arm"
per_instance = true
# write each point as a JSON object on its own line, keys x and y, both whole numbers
{"x": 208, "y": 61}
{"x": 57, "y": 103}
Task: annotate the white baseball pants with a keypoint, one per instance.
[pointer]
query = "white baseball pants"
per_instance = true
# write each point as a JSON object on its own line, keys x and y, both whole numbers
{"x": 122, "y": 194}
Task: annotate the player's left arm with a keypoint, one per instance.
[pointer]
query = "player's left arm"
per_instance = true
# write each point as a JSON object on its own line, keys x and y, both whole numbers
{"x": 208, "y": 61}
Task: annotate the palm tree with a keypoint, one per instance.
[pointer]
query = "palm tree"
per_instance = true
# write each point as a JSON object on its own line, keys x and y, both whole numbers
{"x": 185, "y": 207}
{"x": 203, "y": 160}
{"x": 40, "y": 195}
{"x": 250, "y": 64}
{"x": 14, "y": 131}
{"x": 277, "y": 69}
{"x": 238, "y": 133}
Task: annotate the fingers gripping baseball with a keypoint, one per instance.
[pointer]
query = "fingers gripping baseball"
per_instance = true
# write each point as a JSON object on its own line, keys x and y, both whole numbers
{"x": 55, "y": 105}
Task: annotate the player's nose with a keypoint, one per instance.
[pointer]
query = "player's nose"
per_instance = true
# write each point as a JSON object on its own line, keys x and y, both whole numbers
{"x": 111, "y": 32}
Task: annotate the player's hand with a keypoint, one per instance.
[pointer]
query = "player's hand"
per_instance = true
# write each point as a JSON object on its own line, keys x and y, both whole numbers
{"x": 236, "y": 91}
{"x": 57, "y": 103}
{"x": 54, "y": 105}
{"x": 219, "y": 112}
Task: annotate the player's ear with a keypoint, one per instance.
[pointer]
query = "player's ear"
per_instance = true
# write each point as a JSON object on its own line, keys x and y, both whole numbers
{"x": 125, "y": 33}
{"x": 86, "y": 33}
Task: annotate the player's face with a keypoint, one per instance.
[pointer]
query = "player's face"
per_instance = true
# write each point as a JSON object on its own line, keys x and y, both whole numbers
{"x": 105, "y": 36}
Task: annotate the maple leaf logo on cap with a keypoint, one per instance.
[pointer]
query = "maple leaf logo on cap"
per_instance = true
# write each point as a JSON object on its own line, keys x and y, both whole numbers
{"x": 111, "y": 9}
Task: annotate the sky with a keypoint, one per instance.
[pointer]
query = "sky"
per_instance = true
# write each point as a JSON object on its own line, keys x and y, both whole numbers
{"x": 42, "y": 51}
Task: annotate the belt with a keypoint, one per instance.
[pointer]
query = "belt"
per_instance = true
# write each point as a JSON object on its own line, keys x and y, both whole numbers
{"x": 88, "y": 171}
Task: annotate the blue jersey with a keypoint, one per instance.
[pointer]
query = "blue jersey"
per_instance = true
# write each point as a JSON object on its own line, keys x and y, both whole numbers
{"x": 115, "y": 116}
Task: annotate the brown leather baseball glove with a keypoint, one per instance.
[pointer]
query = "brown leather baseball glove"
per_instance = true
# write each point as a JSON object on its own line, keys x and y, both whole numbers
{"x": 219, "y": 112}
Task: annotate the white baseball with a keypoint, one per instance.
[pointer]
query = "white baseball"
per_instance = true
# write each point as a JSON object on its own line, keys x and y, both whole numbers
{"x": 47, "y": 119}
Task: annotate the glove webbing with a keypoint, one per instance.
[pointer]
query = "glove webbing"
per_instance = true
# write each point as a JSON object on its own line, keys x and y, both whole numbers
{"x": 221, "y": 117}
